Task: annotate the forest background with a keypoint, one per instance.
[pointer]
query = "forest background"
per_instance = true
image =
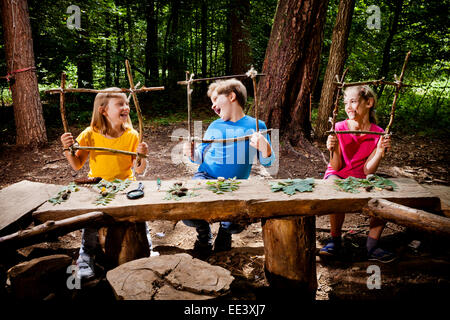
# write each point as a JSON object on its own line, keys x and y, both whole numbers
{"x": 164, "y": 38}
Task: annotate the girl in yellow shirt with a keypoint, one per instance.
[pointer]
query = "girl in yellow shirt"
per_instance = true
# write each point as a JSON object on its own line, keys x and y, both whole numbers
{"x": 110, "y": 128}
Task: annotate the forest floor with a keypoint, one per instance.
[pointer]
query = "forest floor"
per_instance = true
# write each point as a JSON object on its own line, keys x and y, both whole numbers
{"x": 419, "y": 271}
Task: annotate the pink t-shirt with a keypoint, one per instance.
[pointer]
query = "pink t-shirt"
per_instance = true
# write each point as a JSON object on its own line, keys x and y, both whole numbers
{"x": 354, "y": 151}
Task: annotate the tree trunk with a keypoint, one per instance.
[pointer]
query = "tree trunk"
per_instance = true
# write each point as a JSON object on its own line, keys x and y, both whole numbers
{"x": 240, "y": 36}
{"x": 290, "y": 255}
{"x": 151, "y": 46}
{"x": 291, "y": 66}
{"x": 84, "y": 60}
{"x": 29, "y": 120}
{"x": 384, "y": 70}
{"x": 174, "y": 65}
{"x": 336, "y": 61}
{"x": 204, "y": 31}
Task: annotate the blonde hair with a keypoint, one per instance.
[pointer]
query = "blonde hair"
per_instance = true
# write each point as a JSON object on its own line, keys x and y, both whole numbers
{"x": 367, "y": 93}
{"x": 99, "y": 123}
{"x": 228, "y": 86}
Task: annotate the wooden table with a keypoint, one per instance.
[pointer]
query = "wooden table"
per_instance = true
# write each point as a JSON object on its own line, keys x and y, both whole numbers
{"x": 288, "y": 221}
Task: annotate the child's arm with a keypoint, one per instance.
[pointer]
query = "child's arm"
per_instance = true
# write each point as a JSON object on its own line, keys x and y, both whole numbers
{"x": 76, "y": 161}
{"x": 335, "y": 152}
{"x": 142, "y": 148}
{"x": 374, "y": 159}
{"x": 260, "y": 143}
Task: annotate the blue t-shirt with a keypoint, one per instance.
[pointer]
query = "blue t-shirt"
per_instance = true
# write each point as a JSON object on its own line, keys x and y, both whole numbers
{"x": 231, "y": 159}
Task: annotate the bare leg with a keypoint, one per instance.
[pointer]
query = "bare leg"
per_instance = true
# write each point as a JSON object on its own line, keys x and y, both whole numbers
{"x": 376, "y": 228}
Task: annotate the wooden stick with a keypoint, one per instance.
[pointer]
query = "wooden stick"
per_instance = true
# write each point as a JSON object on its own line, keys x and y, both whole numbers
{"x": 356, "y": 132}
{"x": 218, "y": 78}
{"x": 61, "y": 103}
{"x": 36, "y": 234}
{"x": 85, "y": 90}
{"x": 372, "y": 82}
{"x": 188, "y": 88}
{"x": 397, "y": 91}
{"x": 128, "y": 153}
{"x": 181, "y": 138}
{"x": 405, "y": 216}
{"x": 135, "y": 99}
{"x": 253, "y": 73}
{"x": 336, "y": 107}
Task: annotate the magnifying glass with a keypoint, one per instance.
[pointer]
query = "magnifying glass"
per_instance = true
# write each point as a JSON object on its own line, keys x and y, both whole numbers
{"x": 137, "y": 193}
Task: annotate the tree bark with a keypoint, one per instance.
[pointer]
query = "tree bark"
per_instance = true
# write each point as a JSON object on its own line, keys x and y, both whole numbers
{"x": 204, "y": 31}
{"x": 85, "y": 71}
{"x": 336, "y": 61}
{"x": 28, "y": 116}
{"x": 291, "y": 66}
{"x": 290, "y": 255}
{"x": 240, "y": 36}
{"x": 384, "y": 70}
{"x": 151, "y": 46}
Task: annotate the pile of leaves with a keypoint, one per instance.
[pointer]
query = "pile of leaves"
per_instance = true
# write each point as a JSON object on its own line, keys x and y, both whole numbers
{"x": 178, "y": 192}
{"x": 353, "y": 185}
{"x": 223, "y": 185}
{"x": 64, "y": 194}
{"x": 291, "y": 186}
{"x": 109, "y": 189}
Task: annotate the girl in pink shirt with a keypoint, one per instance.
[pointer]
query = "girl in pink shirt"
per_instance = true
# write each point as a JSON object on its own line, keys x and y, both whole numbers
{"x": 357, "y": 155}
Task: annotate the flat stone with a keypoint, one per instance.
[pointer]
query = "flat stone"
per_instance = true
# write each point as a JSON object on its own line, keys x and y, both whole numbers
{"x": 169, "y": 277}
{"x": 36, "y": 278}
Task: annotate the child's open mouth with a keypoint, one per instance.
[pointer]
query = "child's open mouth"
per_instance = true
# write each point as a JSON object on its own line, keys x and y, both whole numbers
{"x": 217, "y": 110}
{"x": 124, "y": 116}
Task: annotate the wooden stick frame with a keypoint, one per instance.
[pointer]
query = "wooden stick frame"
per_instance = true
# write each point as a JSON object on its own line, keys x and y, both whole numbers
{"x": 132, "y": 90}
{"x": 398, "y": 84}
{"x": 252, "y": 73}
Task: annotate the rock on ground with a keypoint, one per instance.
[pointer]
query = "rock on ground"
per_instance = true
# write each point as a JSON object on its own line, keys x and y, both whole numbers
{"x": 169, "y": 277}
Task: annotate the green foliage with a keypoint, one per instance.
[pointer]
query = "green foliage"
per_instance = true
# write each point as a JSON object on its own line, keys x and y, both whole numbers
{"x": 223, "y": 185}
{"x": 291, "y": 186}
{"x": 64, "y": 194}
{"x": 353, "y": 185}
{"x": 109, "y": 189}
{"x": 177, "y": 192}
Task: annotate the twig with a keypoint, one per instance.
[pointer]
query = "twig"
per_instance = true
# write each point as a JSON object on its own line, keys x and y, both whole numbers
{"x": 129, "y": 153}
{"x": 189, "y": 105}
{"x": 356, "y": 132}
{"x": 135, "y": 99}
{"x": 252, "y": 73}
{"x": 85, "y": 90}
{"x": 397, "y": 91}
{"x": 218, "y": 78}
{"x": 61, "y": 103}
{"x": 243, "y": 138}
{"x": 336, "y": 107}
{"x": 372, "y": 82}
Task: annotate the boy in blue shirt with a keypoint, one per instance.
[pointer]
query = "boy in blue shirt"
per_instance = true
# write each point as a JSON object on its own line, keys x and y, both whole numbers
{"x": 228, "y": 160}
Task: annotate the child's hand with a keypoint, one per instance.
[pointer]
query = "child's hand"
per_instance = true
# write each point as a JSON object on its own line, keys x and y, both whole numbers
{"x": 332, "y": 142}
{"x": 142, "y": 148}
{"x": 67, "y": 140}
{"x": 384, "y": 144}
{"x": 189, "y": 149}
{"x": 259, "y": 142}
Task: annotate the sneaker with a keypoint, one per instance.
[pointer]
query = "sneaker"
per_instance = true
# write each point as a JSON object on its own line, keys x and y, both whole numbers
{"x": 381, "y": 255}
{"x": 331, "y": 249}
{"x": 85, "y": 264}
{"x": 223, "y": 241}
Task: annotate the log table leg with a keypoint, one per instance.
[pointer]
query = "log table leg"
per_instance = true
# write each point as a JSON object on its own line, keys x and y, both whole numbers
{"x": 123, "y": 242}
{"x": 290, "y": 259}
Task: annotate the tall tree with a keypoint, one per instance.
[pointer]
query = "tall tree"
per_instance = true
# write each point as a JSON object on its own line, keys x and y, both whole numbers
{"x": 29, "y": 120}
{"x": 291, "y": 66}
{"x": 384, "y": 70}
{"x": 240, "y": 36}
{"x": 336, "y": 61}
{"x": 151, "y": 46}
{"x": 85, "y": 71}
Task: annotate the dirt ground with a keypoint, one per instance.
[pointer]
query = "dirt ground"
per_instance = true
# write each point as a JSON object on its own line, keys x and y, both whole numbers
{"x": 418, "y": 271}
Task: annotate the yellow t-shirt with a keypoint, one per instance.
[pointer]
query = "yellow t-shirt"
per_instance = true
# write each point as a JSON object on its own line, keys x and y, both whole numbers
{"x": 107, "y": 165}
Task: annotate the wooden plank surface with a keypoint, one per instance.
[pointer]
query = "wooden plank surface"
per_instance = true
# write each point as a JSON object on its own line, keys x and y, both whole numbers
{"x": 253, "y": 200}
{"x": 20, "y": 198}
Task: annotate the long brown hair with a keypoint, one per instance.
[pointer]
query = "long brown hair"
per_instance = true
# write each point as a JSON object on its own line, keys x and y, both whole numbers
{"x": 367, "y": 93}
{"x": 99, "y": 123}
